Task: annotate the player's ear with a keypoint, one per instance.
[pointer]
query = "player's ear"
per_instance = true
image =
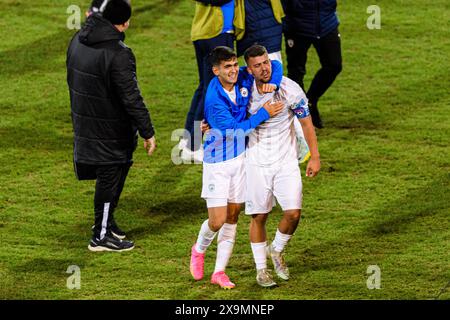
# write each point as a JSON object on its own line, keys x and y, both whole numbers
{"x": 249, "y": 71}
{"x": 215, "y": 70}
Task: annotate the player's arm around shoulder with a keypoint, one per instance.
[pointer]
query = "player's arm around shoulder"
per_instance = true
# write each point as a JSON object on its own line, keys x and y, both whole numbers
{"x": 219, "y": 116}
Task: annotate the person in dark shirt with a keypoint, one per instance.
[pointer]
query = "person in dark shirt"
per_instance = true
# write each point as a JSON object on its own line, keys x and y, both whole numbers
{"x": 107, "y": 112}
{"x": 312, "y": 22}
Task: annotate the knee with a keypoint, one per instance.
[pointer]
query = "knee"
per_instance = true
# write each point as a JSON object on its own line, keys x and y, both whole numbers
{"x": 216, "y": 224}
{"x": 293, "y": 216}
{"x": 233, "y": 215}
{"x": 232, "y": 218}
{"x": 259, "y": 219}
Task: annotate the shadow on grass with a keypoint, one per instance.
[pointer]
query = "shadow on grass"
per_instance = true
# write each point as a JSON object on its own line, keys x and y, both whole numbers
{"x": 418, "y": 204}
{"x": 375, "y": 242}
{"x": 158, "y": 217}
{"x": 34, "y": 139}
{"x": 52, "y": 267}
{"x": 165, "y": 216}
{"x": 39, "y": 54}
{"x": 381, "y": 111}
{"x": 178, "y": 206}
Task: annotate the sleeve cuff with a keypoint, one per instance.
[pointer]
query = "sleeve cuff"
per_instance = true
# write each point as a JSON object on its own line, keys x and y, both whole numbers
{"x": 264, "y": 114}
{"x": 148, "y": 134}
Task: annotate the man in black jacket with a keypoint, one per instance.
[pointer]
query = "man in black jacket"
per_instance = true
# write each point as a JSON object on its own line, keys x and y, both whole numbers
{"x": 312, "y": 22}
{"x": 107, "y": 112}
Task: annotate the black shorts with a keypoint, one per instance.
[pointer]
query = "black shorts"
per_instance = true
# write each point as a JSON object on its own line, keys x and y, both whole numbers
{"x": 88, "y": 171}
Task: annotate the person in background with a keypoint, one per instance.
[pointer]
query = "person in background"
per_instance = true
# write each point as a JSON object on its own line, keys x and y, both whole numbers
{"x": 107, "y": 112}
{"x": 259, "y": 22}
{"x": 312, "y": 22}
{"x": 212, "y": 26}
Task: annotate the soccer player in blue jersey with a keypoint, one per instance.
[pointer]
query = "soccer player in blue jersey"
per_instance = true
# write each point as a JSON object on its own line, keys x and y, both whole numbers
{"x": 223, "y": 164}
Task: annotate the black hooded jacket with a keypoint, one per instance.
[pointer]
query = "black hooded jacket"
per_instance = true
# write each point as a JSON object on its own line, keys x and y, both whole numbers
{"x": 106, "y": 103}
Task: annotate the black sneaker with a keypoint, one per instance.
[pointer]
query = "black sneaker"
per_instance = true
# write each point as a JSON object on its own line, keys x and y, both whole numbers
{"x": 117, "y": 232}
{"x": 317, "y": 122}
{"x": 110, "y": 243}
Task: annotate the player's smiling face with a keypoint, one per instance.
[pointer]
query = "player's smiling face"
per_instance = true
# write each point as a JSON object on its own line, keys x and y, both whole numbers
{"x": 260, "y": 67}
{"x": 227, "y": 71}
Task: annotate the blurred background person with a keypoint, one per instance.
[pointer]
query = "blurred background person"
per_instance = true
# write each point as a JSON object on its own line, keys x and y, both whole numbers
{"x": 212, "y": 26}
{"x": 259, "y": 22}
{"x": 312, "y": 22}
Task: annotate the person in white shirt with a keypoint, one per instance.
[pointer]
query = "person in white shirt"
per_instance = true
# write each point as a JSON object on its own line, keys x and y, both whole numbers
{"x": 272, "y": 169}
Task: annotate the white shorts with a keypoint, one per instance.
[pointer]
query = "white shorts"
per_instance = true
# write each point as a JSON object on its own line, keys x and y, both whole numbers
{"x": 224, "y": 182}
{"x": 263, "y": 183}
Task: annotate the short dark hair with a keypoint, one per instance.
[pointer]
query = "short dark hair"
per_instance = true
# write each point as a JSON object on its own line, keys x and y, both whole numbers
{"x": 117, "y": 11}
{"x": 221, "y": 53}
{"x": 255, "y": 50}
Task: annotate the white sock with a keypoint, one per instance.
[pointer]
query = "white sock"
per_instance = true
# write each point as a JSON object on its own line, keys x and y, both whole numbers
{"x": 259, "y": 254}
{"x": 280, "y": 241}
{"x": 205, "y": 237}
{"x": 225, "y": 244}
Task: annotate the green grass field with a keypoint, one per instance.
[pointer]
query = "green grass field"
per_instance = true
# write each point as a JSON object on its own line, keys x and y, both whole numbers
{"x": 382, "y": 197}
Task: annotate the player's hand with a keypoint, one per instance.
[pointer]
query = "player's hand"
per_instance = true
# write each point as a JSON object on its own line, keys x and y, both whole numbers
{"x": 273, "y": 108}
{"x": 268, "y": 88}
{"x": 313, "y": 167}
{"x": 204, "y": 126}
{"x": 150, "y": 145}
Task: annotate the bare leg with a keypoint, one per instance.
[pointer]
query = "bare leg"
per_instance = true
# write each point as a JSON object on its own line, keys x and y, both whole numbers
{"x": 289, "y": 222}
{"x": 217, "y": 217}
{"x": 258, "y": 228}
{"x": 233, "y": 212}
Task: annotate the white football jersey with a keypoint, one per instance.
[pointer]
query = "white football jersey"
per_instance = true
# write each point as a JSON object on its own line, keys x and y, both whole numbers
{"x": 274, "y": 141}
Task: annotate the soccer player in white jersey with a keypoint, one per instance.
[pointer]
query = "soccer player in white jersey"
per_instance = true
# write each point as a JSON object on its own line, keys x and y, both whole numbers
{"x": 271, "y": 165}
{"x": 224, "y": 182}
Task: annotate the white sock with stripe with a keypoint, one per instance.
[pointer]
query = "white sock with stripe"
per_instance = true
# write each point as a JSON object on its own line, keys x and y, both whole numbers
{"x": 259, "y": 254}
{"x": 280, "y": 241}
{"x": 225, "y": 244}
{"x": 205, "y": 237}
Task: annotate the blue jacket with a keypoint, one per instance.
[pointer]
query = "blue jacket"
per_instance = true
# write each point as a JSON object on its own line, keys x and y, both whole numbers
{"x": 260, "y": 27}
{"x": 310, "y": 18}
{"x": 228, "y": 121}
